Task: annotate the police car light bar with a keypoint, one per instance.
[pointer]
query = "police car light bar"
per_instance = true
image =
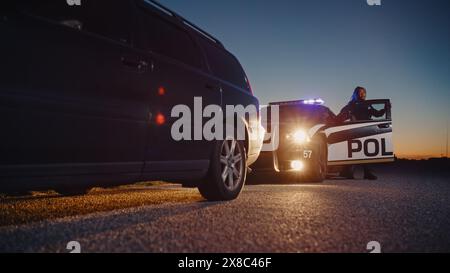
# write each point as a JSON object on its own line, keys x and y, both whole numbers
{"x": 314, "y": 101}
{"x": 299, "y": 102}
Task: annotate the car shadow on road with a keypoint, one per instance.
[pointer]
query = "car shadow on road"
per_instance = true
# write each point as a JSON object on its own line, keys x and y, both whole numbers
{"x": 49, "y": 205}
{"x": 270, "y": 178}
{"x": 38, "y": 195}
{"x": 49, "y": 232}
{"x": 273, "y": 178}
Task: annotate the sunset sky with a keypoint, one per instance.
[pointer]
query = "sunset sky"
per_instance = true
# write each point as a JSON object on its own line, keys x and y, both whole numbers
{"x": 294, "y": 49}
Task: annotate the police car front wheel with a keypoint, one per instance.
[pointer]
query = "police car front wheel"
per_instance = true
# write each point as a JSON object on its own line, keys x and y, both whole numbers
{"x": 320, "y": 168}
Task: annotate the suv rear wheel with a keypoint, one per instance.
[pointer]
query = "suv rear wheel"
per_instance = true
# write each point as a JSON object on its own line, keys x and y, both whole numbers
{"x": 227, "y": 173}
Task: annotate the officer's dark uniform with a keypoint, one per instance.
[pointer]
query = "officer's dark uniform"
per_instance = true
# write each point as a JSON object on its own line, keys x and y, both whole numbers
{"x": 358, "y": 110}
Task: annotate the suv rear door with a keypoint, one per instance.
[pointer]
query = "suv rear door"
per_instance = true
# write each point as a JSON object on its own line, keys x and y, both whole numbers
{"x": 359, "y": 142}
{"x": 180, "y": 76}
{"x": 76, "y": 109}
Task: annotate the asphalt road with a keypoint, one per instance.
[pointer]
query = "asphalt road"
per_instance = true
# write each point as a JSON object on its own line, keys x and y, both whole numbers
{"x": 404, "y": 211}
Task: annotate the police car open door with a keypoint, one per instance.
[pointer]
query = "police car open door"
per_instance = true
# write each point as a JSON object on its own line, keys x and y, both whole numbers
{"x": 360, "y": 142}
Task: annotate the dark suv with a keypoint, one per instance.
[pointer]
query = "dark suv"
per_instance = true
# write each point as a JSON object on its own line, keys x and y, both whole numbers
{"x": 86, "y": 93}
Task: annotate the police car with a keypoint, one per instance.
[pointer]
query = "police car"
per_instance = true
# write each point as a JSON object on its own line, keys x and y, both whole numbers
{"x": 311, "y": 142}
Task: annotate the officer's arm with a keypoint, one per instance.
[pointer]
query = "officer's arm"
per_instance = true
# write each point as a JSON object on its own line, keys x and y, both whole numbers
{"x": 344, "y": 115}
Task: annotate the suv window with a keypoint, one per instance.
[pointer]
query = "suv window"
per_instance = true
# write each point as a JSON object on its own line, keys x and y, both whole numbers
{"x": 225, "y": 66}
{"x": 110, "y": 19}
{"x": 156, "y": 34}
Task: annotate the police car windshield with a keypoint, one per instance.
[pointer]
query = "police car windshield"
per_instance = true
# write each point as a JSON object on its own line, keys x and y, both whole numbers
{"x": 303, "y": 113}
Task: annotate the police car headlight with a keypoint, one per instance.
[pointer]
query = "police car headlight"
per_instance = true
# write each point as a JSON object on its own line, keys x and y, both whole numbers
{"x": 299, "y": 137}
{"x": 297, "y": 165}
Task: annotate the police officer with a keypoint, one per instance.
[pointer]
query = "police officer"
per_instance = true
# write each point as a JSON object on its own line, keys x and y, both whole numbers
{"x": 357, "y": 110}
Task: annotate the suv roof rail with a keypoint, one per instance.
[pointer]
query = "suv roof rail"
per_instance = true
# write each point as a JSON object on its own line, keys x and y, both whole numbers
{"x": 160, "y": 7}
{"x": 185, "y": 22}
{"x": 202, "y": 32}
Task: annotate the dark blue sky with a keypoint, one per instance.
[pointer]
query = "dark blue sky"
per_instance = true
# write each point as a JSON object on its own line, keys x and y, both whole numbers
{"x": 293, "y": 49}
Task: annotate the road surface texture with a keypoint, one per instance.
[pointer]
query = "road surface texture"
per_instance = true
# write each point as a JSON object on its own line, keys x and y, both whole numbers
{"x": 405, "y": 211}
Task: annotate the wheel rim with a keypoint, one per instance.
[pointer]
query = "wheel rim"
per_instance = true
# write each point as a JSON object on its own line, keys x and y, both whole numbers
{"x": 232, "y": 164}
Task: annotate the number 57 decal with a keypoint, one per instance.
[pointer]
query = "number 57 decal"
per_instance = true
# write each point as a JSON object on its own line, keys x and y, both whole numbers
{"x": 307, "y": 154}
